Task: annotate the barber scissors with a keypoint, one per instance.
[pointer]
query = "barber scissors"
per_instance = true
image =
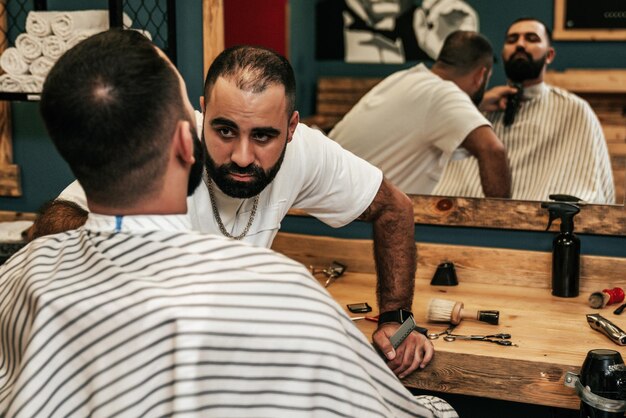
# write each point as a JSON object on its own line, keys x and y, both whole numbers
{"x": 436, "y": 335}
{"x": 500, "y": 339}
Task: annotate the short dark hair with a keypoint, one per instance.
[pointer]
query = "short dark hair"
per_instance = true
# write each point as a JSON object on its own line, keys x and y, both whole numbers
{"x": 464, "y": 51}
{"x": 110, "y": 105}
{"x": 253, "y": 68}
{"x": 533, "y": 19}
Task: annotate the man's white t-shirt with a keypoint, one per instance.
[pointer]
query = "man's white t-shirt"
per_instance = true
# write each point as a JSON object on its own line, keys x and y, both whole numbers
{"x": 317, "y": 176}
{"x": 409, "y": 125}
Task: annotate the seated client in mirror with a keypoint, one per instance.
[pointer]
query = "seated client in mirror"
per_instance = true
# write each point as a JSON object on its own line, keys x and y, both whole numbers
{"x": 554, "y": 141}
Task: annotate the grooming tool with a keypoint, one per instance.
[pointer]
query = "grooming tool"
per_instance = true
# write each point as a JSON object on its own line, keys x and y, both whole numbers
{"x": 405, "y": 329}
{"x": 619, "y": 310}
{"x": 445, "y": 275}
{"x": 512, "y": 104}
{"x": 333, "y": 271}
{"x": 356, "y": 318}
{"x": 565, "y": 250}
{"x": 500, "y": 339}
{"x": 443, "y": 310}
{"x": 436, "y": 335}
{"x": 601, "y": 385}
{"x": 361, "y": 307}
{"x": 606, "y": 327}
{"x": 606, "y": 297}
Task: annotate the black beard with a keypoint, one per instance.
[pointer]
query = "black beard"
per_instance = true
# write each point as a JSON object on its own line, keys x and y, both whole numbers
{"x": 195, "y": 174}
{"x": 240, "y": 189}
{"x": 519, "y": 69}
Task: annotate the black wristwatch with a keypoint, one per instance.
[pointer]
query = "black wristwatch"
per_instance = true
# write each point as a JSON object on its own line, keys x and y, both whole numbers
{"x": 399, "y": 316}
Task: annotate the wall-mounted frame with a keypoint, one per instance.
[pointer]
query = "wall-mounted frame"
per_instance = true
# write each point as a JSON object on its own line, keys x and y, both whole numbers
{"x": 600, "y": 20}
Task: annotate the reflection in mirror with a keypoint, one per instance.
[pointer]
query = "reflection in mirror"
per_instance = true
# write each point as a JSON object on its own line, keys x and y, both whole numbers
{"x": 336, "y": 95}
{"x": 559, "y": 147}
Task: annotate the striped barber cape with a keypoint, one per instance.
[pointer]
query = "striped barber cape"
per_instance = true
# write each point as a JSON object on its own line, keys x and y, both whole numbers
{"x": 137, "y": 316}
{"x": 555, "y": 146}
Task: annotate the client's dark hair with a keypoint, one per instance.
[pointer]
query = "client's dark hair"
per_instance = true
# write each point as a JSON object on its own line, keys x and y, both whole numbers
{"x": 464, "y": 51}
{"x": 110, "y": 105}
{"x": 253, "y": 69}
{"x": 532, "y": 19}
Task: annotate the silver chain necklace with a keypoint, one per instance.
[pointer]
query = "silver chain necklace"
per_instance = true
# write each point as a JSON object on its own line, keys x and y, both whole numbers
{"x": 216, "y": 213}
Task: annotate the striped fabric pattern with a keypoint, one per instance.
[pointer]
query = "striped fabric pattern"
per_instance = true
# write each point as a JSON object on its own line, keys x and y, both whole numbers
{"x": 136, "y": 316}
{"x": 556, "y": 145}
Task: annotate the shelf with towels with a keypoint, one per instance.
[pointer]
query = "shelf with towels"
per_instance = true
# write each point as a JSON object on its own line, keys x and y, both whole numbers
{"x": 155, "y": 19}
{"x": 20, "y": 97}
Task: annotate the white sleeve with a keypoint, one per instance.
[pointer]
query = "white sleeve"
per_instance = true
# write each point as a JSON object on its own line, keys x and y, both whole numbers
{"x": 337, "y": 185}
{"x": 75, "y": 193}
{"x": 454, "y": 117}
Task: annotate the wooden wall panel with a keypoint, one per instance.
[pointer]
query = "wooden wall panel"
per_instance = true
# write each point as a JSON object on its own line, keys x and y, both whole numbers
{"x": 9, "y": 172}
{"x": 478, "y": 265}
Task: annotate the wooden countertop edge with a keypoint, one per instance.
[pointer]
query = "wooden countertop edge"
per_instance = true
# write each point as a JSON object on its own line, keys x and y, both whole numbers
{"x": 532, "y": 382}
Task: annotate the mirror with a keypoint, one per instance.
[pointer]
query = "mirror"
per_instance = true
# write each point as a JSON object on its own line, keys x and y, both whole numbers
{"x": 498, "y": 213}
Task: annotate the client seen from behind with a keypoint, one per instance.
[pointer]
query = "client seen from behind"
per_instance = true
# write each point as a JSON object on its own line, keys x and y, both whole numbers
{"x": 135, "y": 315}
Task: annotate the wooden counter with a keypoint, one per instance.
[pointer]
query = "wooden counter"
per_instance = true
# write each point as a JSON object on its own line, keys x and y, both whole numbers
{"x": 552, "y": 333}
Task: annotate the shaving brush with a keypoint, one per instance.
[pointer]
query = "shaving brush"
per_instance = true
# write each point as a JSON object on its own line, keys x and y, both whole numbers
{"x": 443, "y": 310}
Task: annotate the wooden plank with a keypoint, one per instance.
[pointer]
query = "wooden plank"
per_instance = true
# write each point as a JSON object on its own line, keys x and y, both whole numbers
{"x": 9, "y": 173}
{"x": 512, "y": 214}
{"x": 615, "y": 133}
{"x": 477, "y": 265}
{"x": 617, "y": 149}
{"x": 519, "y": 215}
{"x": 318, "y": 251}
{"x": 10, "y": 180}
{"x": 589, "y": 80}
{"x": 9, "y": 216}
{"x": 212, "y": 31}
{"x": 347, "y": 83}
{"x": 551, "y": 334}
{"x": 529, "y": 382}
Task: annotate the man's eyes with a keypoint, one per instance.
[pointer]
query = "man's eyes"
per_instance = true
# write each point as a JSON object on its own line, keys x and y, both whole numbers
{"x": 225, "y": 132}
{"x": 261, "y": 137}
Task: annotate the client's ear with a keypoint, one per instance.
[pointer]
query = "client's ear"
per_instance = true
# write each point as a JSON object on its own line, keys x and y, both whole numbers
{"x": 182, "y": 142}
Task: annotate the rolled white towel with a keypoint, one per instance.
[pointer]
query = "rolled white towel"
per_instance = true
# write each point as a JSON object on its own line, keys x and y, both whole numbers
{"x": 53, "y": 47}
{"x": 12, "y": 62}
{"x": 38, "y": 23}
{"x": 65, "y": 23}
{"x": 80, "y": 36}
{"x": 21, "y": 83}
{"x": 144, "y": 32}
{"x": 29, "y": 46}
{"x": 41, "y": 66}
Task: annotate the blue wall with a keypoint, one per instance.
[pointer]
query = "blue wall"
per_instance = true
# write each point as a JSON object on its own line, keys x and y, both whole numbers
{"x": 44, "y": 174}
{"x": 495, "y": 17}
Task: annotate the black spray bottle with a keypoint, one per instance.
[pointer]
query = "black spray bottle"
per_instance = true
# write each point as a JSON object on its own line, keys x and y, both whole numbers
{"x": 565, "y": 250}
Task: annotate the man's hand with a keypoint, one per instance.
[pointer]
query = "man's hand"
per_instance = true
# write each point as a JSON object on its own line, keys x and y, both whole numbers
{"x": 415, "y": 352}
{"x": 495, "y": 98}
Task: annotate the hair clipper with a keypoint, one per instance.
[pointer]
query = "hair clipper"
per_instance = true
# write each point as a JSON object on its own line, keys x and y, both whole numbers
{"x": 606, "y": 327}
{"x": 512, "y": 104}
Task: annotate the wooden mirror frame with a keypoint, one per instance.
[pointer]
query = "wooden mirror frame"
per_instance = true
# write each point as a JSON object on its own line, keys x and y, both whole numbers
{"x": 452, "y": 211}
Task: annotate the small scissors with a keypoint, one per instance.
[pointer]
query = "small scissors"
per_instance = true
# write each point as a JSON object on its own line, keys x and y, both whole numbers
{"x": 500, "y": 339}
{"x": 436, "y": 335}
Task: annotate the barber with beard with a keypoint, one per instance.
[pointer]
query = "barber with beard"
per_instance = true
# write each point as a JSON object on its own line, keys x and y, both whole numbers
{"x": 553, "y": 138}
{"x": 260, "y": 162}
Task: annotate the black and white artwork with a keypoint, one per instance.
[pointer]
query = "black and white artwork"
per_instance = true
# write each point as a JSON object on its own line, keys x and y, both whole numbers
{"x": 388, "y": 31}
